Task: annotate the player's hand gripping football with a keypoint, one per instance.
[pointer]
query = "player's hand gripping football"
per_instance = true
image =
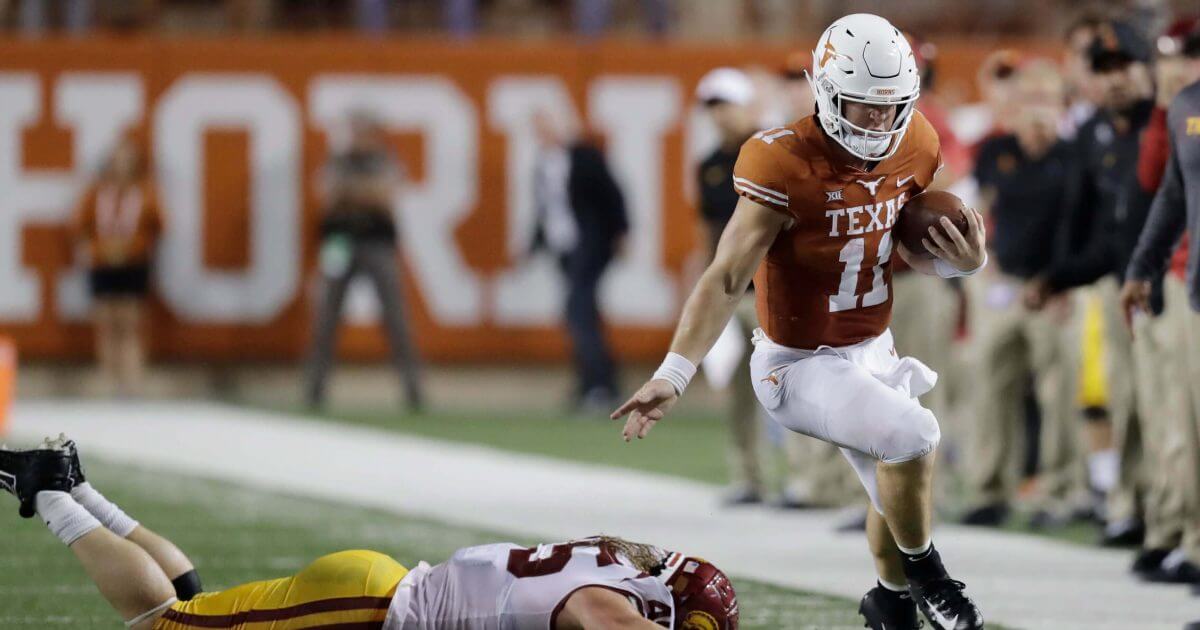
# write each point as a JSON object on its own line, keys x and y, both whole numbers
{"x": 964, "y": 252}
{"x": 646, "y": 407}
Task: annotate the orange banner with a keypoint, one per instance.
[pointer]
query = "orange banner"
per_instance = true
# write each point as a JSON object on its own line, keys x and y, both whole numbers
{"x": 238, "y": 130}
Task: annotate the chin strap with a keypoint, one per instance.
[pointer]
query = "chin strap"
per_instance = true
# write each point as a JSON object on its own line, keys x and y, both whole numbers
{"x": 150, "y": 614}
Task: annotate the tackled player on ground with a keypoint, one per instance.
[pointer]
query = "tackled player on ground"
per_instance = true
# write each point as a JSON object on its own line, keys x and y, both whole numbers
{"x": 597, "y": 583}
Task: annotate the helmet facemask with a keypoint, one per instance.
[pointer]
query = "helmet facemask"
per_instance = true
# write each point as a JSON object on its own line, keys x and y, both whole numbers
{"x": 866, "y": 144}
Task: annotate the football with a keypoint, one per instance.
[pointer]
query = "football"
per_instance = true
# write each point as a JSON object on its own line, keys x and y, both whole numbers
{"x": 923, "y": 211}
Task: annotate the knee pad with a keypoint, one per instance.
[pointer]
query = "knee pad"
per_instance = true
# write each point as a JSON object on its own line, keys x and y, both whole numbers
{"x": 911, "y": 435}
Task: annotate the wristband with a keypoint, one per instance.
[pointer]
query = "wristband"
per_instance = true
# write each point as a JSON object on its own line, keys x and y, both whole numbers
{"x": 946, "y": 270}
{"x": 677, "y": 371}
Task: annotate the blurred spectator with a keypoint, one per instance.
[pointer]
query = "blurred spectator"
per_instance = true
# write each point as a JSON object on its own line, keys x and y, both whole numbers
{"x": 461, "y": 17}
{"x": 357, "y": 189}
{"x": 37, "y": 16}
{"x": 582, "y": 221}
{"x": 1171, "y": 550}
{"x": 1097, "y": 240}
{"x": 116, "y": 227}
{"x": 1082, "y": 95}
{"x": 975, "y": 123}
{"x": 728, "y": 95}
{"x": 1023, "y": 180}
{"x": 371, "y": 16}
{"x": 925, "y": 308}
{"x": 798, "y": 101}
{"x": 956, "y": 158}
{"x": 592, "y": 17}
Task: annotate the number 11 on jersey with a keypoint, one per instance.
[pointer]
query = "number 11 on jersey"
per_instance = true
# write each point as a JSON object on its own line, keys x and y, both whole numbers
{"x": 852, "y": 256}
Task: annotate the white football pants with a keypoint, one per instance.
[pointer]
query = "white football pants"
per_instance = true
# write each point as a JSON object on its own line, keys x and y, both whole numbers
{"x": 863, "y": 398}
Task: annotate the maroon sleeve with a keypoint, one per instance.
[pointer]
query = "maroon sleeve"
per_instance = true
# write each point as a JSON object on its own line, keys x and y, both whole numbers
{"x": 1153, "y": 151}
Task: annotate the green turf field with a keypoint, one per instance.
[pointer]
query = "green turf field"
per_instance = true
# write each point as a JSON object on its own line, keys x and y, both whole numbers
{"x": 691, "y": 444}
{"x": 236, "y": 535}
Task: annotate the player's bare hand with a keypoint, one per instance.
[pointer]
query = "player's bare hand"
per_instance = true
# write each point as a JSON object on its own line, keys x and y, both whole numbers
{"x": 1135, "y": 296}
{"x": 963, "y": 251}
{"x": 649, "y": 405}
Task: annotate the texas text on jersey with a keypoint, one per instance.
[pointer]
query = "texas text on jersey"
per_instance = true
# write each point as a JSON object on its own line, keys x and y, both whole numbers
{"x": 826, "y": 280}
{"x": 508, "y": 587}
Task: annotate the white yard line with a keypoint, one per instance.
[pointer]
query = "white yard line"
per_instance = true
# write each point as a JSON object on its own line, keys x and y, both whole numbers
{"x": 1018, "y": 580}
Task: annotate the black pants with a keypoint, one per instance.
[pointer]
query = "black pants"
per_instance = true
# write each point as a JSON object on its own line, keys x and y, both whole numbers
{"x": 378, "y": 260}
{"x": 593, "y": 361}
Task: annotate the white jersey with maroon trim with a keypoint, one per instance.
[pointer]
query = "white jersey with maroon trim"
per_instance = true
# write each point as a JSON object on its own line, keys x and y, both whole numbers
{"x": 508, "y": 587}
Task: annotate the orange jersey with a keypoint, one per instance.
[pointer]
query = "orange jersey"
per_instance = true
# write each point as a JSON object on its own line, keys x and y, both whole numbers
{"x": 119, "y": 226}
{"x": 827, "y": 279}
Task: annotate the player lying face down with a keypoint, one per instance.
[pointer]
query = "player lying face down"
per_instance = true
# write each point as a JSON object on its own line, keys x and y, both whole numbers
{"x": 594, "y": 583}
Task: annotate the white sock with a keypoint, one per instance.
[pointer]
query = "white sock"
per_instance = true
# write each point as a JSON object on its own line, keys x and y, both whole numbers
{"x": 1103, "y": 469}
{"x": 895, "y": 588}
{"x": 107, "y": 512}
{"x": 66, "y": 519}
{"x": 916, "y": 551}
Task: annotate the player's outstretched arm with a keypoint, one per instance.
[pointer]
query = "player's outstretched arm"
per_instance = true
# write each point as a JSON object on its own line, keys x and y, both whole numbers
{"x": 742, "y": 247}
{"x": 597, "y": 608}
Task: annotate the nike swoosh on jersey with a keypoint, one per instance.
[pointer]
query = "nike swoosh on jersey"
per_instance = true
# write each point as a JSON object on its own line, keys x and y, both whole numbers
{"x": 902, "y": 181}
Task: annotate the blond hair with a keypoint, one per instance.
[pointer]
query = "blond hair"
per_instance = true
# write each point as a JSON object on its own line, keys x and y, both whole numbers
{"x": 647, "y": 558}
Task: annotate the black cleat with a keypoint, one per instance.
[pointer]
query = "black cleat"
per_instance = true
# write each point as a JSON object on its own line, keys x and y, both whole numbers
{"x": 742, "y": 495}
{"x": 888, "y": 610}
{"x": 789, "y": 501}
{"x": 1183, "y": 572}
{"x": 26, "y": 473}
{"x": 1128, "y": 534}
{"x": 1147, "y": 561}
{"x": 63, "y": 443}
{"x": 945, "y": 605}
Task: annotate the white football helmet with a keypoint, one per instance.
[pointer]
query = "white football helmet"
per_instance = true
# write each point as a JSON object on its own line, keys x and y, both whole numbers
{"x": 863, "y": 58}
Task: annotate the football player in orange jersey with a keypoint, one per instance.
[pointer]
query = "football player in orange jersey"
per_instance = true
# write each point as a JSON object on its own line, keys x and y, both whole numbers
{"x": 813, "y": 229}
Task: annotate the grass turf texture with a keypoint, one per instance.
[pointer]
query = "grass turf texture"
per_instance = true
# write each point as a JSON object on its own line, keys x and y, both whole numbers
{"x": 690, "y": 444}
{"x": 236, "y": 535}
